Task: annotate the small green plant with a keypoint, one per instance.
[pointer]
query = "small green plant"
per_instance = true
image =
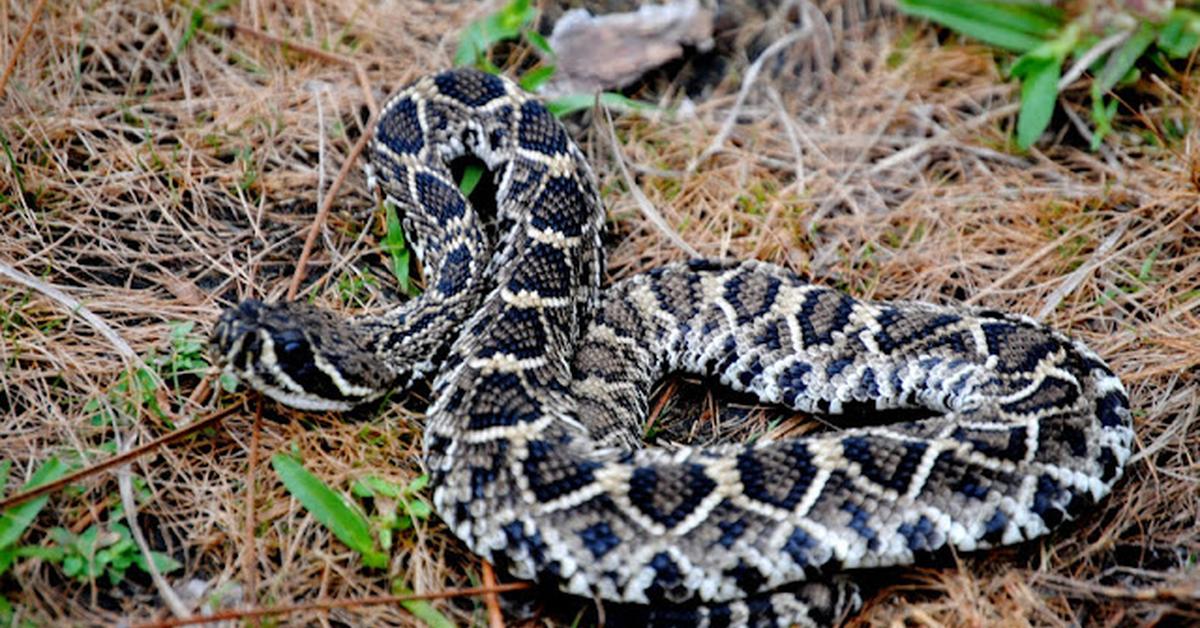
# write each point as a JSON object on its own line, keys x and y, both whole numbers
{"x": 1110, "y": 42}
{"x": 514, "y": 21}
{"x": 334, "y": 510}
{"x": 16, "y": 520}
{"x": 397, "y": 506}
{"x": 354, "y": 289}
{"x": 511, "y": 21}
{"x": 396, "y": 247}
{"x": 98, "y": 552}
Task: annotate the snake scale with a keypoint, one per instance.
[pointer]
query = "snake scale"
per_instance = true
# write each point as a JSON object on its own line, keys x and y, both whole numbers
{"x": 541, "y": 381}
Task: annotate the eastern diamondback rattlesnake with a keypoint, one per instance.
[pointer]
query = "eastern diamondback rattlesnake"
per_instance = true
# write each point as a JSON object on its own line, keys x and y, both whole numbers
{"x": 541, "y": 381}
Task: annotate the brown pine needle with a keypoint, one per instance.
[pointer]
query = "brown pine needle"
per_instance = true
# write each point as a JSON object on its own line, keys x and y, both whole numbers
{"x": 332, "y": 604}
{"x": 20, "y": 47}
{"x": 117, "y": 460}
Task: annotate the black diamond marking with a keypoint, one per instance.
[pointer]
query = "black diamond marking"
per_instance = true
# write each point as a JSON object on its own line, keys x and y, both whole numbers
{"x": 791, "y": 382}
{"x": 735, "y": 293}
{"x": 731, "y": 531}
{"x": 557, "y": 209}
{"x": 599, "y": 539}
{"x": 471, "y": 88}
{"x": 798, "y": 545}
{"x": 505, "y": 411}
{"x": 443, "y": 202}
{"x": 545, "y": 272}
{"x": 993, "y": 531}
{"x": 1053, "y": 392}
{"x": 859, "y": 449}
{"x": 691, "y": 489}
{"x": 533, "y": 545}
{"x": 747, "y": 577}
{"x": 922, "y": 536}
{"x": 859, "y": 518}
{"x": 1113, "y": 409}
{"x": 890, "y": 316}
{"x": 1015, "y": 449}
{"x": 841, "y": 316}
{"x": 561, "y": 477}
{"x": 763, "y": 473}
{"x": 1000, "y": 337}
{"x": 539, "y": 131}
{"x": 1049, "y": 499}
{"x": 400, "y": 128}
{"x": 455, "y": 273}
{"x": 668, "y": 579}
{"x": 1108, "y": 465}
{"x": 517, "y": 332}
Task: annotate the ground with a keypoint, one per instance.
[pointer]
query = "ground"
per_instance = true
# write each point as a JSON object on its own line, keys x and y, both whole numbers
{"x": 158, "y": 167}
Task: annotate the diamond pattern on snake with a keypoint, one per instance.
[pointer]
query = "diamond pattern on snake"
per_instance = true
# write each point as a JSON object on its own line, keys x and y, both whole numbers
{"x": 541, "y": 379}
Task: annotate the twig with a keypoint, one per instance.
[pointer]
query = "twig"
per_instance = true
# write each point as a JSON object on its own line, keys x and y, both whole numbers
{"x": 495, "y": 617}
{"x": 1181, "y": 593}
{"x": 747, "y": 83}
{"x": 323, "y": 211}
{"x": 1095, "y": 52}
{"x": 910, "y": 153}
{"x": 249, "y": 556}
{"x": 115, "y": 461}
{"x": 327, "y": 605}
{"x": 129, "y": 504}
{"x": 1076, "y": 277}
{"x": 648, "y": 210}
{"x": 16, "y": 53}
{"x": 73, "y": 306}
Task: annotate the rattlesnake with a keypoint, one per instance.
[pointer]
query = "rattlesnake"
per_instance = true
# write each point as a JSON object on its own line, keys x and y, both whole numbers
{"x": 541, "y": 380}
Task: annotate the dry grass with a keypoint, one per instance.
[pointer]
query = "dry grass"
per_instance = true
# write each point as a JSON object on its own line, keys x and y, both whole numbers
{"x": 155, "y": 188}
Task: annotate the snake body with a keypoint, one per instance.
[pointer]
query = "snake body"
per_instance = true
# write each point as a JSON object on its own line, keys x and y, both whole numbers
{"x": 541, "y": 381}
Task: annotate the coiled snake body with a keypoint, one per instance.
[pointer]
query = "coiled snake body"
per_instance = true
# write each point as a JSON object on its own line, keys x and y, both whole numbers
{"x": 541, "y": 381}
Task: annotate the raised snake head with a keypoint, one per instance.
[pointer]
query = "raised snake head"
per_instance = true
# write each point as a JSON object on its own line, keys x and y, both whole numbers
{"x": 299, "y": 355}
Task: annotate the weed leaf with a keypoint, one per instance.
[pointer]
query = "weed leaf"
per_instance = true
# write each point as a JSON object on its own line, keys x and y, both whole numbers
{"x": 1039, "y": 92}
{"x": 332, "y": 509}
{"x": 15, "y": 520}
{"x": 1015, "y": 26}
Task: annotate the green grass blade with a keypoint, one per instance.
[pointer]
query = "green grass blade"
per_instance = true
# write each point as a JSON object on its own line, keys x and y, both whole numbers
{"x": 482, "y": 34}
{"x": 1013, "y": 26}
{"x": 1122, "y": 60}
{"x": 1180, "y": 34}
{"x": 396, "y": 247}
{"x": 536, "y": 77}
{"x": 331, "y": 508}
{"x": 470, "y": 178}
{"x": 1039, "y": 92}
{"x": 15, "y": 520}
{"x": 5, "y": 467}
{"x": 422, "y": 609}
{"x": 566, "y": 105}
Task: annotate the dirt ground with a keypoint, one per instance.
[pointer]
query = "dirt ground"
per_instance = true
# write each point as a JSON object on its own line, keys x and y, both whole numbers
{"x": 157, "y": 168}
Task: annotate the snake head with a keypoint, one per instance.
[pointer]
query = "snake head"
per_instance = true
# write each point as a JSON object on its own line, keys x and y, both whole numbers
{"x": 299, "y": 355}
